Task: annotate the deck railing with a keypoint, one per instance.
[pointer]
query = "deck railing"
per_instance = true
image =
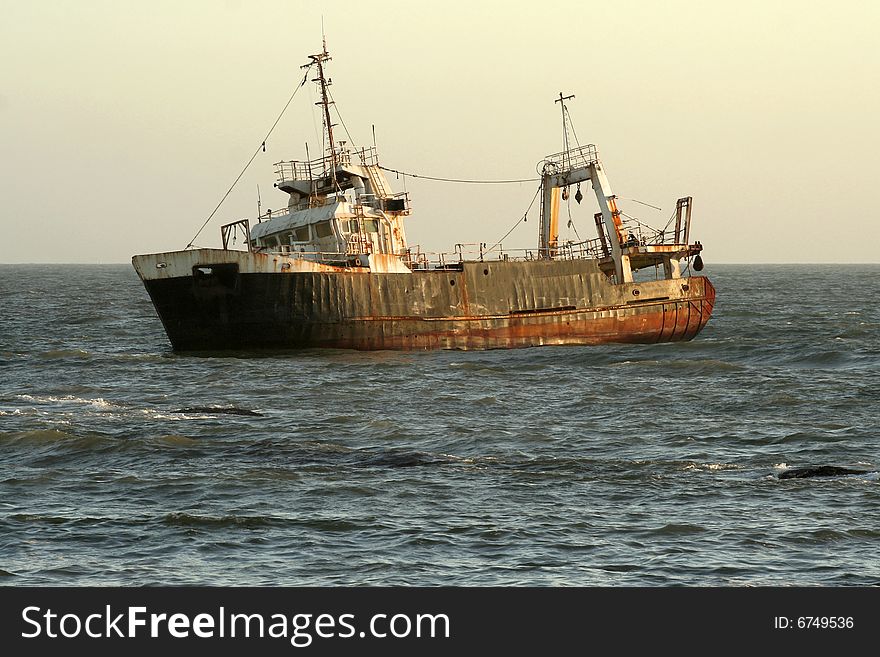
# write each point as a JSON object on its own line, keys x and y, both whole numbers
{"x": 574, "y": 158}
{"x": 321, "y": 167}
{"x": 415, "y": 258}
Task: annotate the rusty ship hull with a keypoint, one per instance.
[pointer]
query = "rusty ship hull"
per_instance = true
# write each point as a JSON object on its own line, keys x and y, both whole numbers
{"x": 333, "y": 267}
{"x": 215, "y": 300}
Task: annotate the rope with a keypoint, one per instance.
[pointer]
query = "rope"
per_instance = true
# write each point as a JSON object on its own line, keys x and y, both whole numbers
{"x": 669, "y": 223}
{"x": 571, "y": 125}
{"x": 345, "y": 127}
{"x": 521, "y": 219}
{"x": 253, "y": 157}
{"x": 571, "y": 221}
{"x": 341, "y": 120}
{"x": 635, "y": 200}
{"x": 459, "y": 180}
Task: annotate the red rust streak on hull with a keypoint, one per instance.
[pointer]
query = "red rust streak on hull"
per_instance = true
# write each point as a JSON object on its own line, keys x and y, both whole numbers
{"x": 631, "y": 324}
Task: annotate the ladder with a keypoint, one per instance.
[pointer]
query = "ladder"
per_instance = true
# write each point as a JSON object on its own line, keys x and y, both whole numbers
{"x": 377, "y": 181}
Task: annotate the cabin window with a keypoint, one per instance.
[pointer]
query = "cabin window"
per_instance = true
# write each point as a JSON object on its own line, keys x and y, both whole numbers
{"x": 270, "y": 241}
{"x": 323, "y": 229}
{"x": 285, "y": 237}
{"x": 353, "y": 226}
{"x": 301, "y": 234}
{"x": 371, "y": 226}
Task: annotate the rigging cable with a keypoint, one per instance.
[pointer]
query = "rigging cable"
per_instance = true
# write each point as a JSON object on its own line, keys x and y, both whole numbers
{"x": 635, "y": 200}
{"x": 640, "y": 223}
{"x": 571, "y": 221}
{"x": 312, "y": 104}
{"x": 262, "y": 147}
{"x": 518, "y": 221}
{"x": 344, "y": 127}
{"x": 668, "y": 223}
{"x": 341, "y": 120}
{"x": 571, "y": 125}
{"x": 459, "y": 180}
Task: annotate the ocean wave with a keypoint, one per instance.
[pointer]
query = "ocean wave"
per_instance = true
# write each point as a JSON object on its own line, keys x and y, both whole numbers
{"x": 823, "y": 358}
{"x": 712, "y": 467}
{"x": 176, "y": 440}
{"x": 400, "y": 459}
{"x": 620, "y": 568}
{"x": 37, "y": 436}
{"x": 638, "y": 363}
{"x": 138, "y": 357}
{"x": 479, "y": 368}
{"x": 97, "y": 402}
{"x": 46, "y": 519}
{"x": 54, "y": 354}
{"x": 61, "y": 441}
{"x": 685, "y": 366}
{"x": 677, "y": 529}
{"x": 272, "y": 474}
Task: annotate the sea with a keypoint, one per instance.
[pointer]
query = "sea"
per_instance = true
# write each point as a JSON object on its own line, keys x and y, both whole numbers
{"x": 123, "y": 463}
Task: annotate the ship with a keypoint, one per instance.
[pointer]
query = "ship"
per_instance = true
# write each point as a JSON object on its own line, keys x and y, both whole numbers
{"x": 333, "y": 268}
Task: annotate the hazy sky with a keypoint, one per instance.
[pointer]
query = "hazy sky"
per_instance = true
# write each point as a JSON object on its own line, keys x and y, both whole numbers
{"x": 123, "y": 123}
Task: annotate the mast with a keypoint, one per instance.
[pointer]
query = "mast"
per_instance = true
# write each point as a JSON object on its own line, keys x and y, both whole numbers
{"x": 548, "y": 237}
{"x": 325, "y": 102}
{"x": 561, "y": 100}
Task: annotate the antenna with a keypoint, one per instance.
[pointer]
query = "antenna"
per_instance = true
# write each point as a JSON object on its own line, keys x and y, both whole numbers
{"x": 561, "y": 100}
{"x": 259, "y": 205}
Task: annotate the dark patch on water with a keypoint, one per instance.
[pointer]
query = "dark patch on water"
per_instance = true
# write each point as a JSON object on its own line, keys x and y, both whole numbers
{"x": 219, "y": 410}
{"x": 821, "y": 471}
{"x": 193, "y": 520}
